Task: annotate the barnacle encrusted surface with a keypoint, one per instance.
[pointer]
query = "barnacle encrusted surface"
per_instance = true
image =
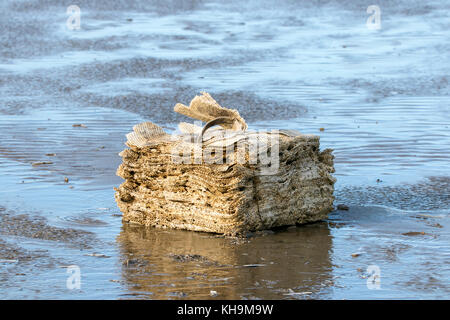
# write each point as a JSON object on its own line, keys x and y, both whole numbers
{"x": 231, "y": 196}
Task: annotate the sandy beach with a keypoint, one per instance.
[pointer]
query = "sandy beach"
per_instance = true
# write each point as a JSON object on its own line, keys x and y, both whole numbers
{"x": 379, "y": 98}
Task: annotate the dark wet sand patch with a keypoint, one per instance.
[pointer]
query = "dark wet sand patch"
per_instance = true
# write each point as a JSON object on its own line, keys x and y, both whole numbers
{"x": 159, "y": 107}
{"x": 430, "y": 194}
{"x": 18, "y": 264}
{"x": 75, "y": 88}
{"x": 435, "y": 85}
{"x": 14, "y": 253}
{"x": 33, "y": 227}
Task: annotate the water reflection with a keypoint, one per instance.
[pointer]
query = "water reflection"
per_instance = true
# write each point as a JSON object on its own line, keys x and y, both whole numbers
{"x": 162, "y": 264}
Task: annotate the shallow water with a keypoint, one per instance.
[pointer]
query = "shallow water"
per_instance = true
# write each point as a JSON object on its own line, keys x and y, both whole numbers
{"x": 382, "y": 98}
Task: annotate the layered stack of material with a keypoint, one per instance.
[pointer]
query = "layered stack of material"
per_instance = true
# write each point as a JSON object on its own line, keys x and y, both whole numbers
{"x": 224, "y": 180}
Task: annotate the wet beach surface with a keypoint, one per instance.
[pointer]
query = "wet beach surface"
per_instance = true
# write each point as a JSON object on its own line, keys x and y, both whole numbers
{"x": 381, "y": 97}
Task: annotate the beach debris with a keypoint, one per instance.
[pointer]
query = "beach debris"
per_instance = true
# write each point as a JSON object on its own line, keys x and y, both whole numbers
{"x": 130, "y": 262}
{"x": 243, "y": 181}
{"x": 322, "y": 129}
{"x": 430, "y": 216}
{"x": 41, "y": 163}
{"x": 178, "y": 294}
{"x": 213, "y": 293}
{"x": 79, "y": 125}
{"x": 98, "y": 255}
{"x": 336, "y": 225}
{"x": 253, "y": 265}
{"x": 356, "y": 254}
{"x": 293, "y": 293}
{"x": 437, "y": 225}
{"x": 8, "y": 261}
{"x": 66, "y": 180}
{"x": 187, "y": 257}
{"x": 342, "y": 207}
{"x": 136, "y": 262}
{"x": 414, "y": 233}
{"x": 50, "y": 154}
{"x": 206, "y": 109}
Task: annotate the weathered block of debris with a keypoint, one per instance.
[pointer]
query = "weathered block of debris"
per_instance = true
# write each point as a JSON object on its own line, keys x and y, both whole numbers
{"x": 226, "y": 179}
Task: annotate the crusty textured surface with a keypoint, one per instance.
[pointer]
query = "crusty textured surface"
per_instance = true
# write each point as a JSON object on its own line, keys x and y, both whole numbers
{"x": 205, "y": 108}
{"x": 230, "y": 198}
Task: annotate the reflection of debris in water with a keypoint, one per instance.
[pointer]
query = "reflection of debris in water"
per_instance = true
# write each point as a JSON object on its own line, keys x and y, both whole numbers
{"x": 196, "y": 263}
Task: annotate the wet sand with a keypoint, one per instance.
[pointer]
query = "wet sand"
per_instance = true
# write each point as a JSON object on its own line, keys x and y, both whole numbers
{"x": 382, "y": 98}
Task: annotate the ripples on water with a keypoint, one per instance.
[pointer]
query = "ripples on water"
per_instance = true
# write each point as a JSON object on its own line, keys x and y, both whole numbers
{"x": 382, "y": 98}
